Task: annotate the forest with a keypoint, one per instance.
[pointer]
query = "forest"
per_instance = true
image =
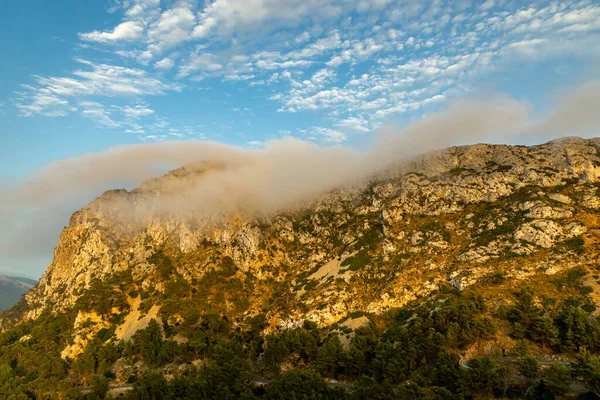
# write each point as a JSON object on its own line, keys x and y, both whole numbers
{"x": 416, "y": 352}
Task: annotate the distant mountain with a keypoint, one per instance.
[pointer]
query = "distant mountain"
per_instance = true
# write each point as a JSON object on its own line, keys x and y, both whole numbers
{"x": 11, "y": 289}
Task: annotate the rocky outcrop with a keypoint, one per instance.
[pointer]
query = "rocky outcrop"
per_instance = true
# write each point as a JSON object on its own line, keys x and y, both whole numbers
{"x": 452, "y": 217}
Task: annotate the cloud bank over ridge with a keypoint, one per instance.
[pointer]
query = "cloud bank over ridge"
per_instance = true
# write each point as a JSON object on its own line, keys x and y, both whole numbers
{"x": 286, "y": 171}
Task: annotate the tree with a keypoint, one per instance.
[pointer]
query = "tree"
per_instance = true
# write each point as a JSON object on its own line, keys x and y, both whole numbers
{"x": 148, "y": 342}
{"x": 529, "y": 369}
{"x": 544, "y": 331}
{"x": 150, "y": 386}
{"x": 302, "y": 384}
{"x": 328, "y": 356}
{"x": 558, "y": 378}
{"x": 99, "y": 386}
{"x": 504, "y": 374}
{"x": 367, "y": 388}
{"x": 411, "y": 391}
{"x": 481, "y": 374}
{"x": 587, "y": 367}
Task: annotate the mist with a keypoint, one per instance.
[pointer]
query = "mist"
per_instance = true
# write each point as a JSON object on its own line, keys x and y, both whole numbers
{"x": 285, "y": 173}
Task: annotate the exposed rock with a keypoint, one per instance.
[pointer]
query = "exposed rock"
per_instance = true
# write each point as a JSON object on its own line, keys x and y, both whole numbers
{"x": 452, "y": 216}
{"x": 540, "y": 232}
{"x": 85, "y": 328}
{"x": 135, "y": 321}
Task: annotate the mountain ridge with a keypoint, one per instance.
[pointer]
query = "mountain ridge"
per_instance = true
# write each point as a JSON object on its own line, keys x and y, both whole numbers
{"x": 434, "y": 264}
{"x": 12, "y": 288}
{"x": 457, "y": 175}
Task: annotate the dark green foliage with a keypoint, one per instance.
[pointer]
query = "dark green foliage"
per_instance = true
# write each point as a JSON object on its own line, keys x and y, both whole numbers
{"x": 587, "y": 368}
{"x": 34, "y": 368}
{"x": 228, "y": 376}
{"x": 300, "y": 385}
{"x": 328, "y": 356}
{"x": 409, "y": 353}
{"x": 150, "y": 386}
{"x": 575, "y": 244}
{"x": 558, "y": 378}
{"x": 228, "y": 267}
{"x": 297, "y": 344}
{"x": 149, "y": 344}
{"x": 357, "y": 261}
{"x": 163, "y": 264}
{"x": 367, "y": 388}
{"x": 105, "y": 294}
{"x": 577, "y": 330}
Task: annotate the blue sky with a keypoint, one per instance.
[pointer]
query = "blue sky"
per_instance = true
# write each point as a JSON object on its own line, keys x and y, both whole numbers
{"x": 80, "y": 77}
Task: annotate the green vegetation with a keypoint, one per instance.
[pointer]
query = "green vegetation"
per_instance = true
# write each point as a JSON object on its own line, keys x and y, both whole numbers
{"x": 412, "y": 353}
{"x": 357, "y": 261}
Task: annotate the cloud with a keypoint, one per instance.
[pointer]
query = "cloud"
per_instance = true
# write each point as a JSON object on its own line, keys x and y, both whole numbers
{"x": 205, "y": 62}
{"x": 326, "y": 135}
{"x": 173, "y": 27}
{"x": 126, "y": 31}
{"x": 137, "y": 111}
{"x": 97, "y": 112}
{"x": 255, "y": 144}
{"x": 488, "y": 4}
{"x": 113, "y": 117}
{"x": 224, "y": 17}
{"x": 577, "y": 113}
{"x": 41, "y": 102}
{"x": 356, "y": 124}
{"x": 463, "y": 121}
{"x": 165, "y": 63}
{"x": 441, "y": 47}
{"x": 281, "y": 174}
{"x": 52, "y": 96}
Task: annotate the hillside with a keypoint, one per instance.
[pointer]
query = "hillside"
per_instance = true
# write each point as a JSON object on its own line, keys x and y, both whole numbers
{"x": 468, "y": 252}
{"x": 11, "y": 290}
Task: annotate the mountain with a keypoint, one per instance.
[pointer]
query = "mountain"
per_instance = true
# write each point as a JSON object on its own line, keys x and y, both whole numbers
{"x": 456, "y": 255}
{"x": 11, "y": 290}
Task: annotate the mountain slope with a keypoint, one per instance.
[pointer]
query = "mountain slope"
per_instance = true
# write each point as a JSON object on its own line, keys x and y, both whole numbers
{"x": 434, "y": 248}
{"x": 462, "y": 213}
{"x": 11, "y": 290}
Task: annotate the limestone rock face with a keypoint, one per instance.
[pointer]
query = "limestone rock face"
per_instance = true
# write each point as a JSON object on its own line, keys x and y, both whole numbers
{"x": 451, "y": 217}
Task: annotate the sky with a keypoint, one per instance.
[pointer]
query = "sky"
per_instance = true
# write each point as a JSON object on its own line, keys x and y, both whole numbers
{"x": 81, "y": 77}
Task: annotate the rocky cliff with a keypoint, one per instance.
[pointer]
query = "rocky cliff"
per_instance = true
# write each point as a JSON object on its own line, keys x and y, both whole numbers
{"x": 459, "y": 216}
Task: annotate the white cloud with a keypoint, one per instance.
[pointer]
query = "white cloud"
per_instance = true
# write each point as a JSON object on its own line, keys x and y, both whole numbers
{"x": 328, "y": 135}
{"x": 345, "y": 57}
{"x": 173, "y": 27}
{"x": 355, "y": 124}
{"x": 527, "y": 47}
{"x": 137, "y": 111}
{"x": 255, "y": 144}
{"x": 303, "y": 37}
{"x": 488, "y": 4}
{"x": 42, "y": 103}
{"x": 107, "y": 116}
{"x": 204, "y": 62}
{"x": 159, "y": 125}
{"x": 135, "y": 129}
{"x": 50, "y": 96}
{"x": 97, "y": 112}
{"x": 165, "y": 63}
{"x": 125, "y": 31}
{"x": 226, "y": 16}
{"x": 321, "y": 46}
